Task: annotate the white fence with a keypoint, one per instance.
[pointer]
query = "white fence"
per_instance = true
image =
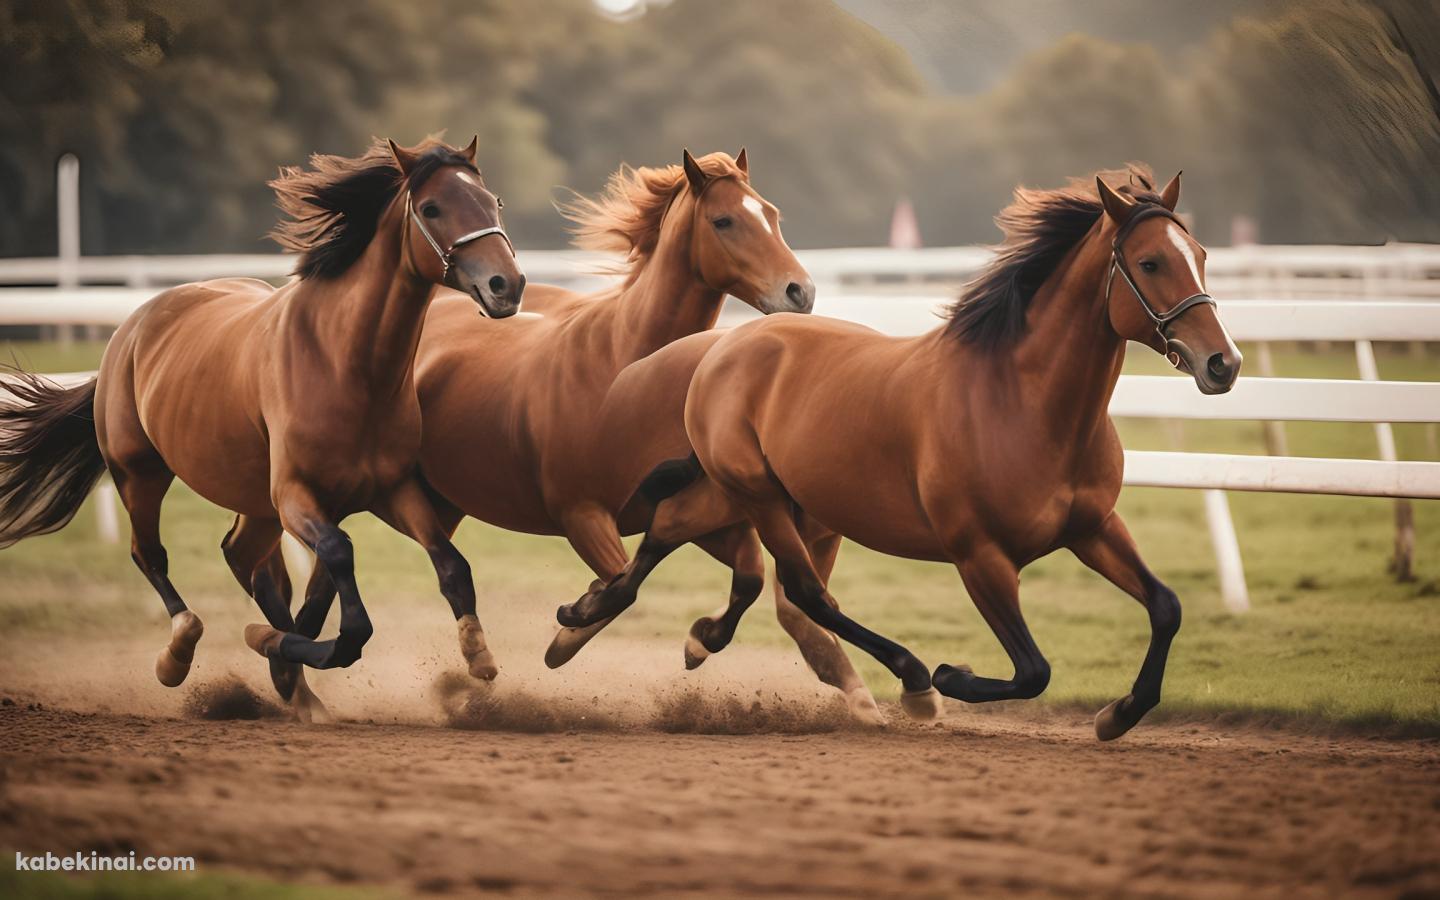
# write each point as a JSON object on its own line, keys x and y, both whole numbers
{"x": 1386, "y": 272}
{"x": 1281, "y": 271}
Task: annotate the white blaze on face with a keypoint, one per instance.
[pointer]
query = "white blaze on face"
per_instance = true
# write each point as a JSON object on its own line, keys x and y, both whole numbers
{"x": 1177, "y": 237}
{"x": 758, "y": 211}
{"x": 470, "y": 179}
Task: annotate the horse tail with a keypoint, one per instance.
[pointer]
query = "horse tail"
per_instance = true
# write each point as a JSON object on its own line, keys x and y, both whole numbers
{"x": 49, "y": 455}
{"x": 669, "y": 478}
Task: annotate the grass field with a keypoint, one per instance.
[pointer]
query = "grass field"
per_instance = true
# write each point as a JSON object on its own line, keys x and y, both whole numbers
{"x": 1331, "y": 637}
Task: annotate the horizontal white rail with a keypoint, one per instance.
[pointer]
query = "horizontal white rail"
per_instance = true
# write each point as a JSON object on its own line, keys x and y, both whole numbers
{"x": 1393, "y": 260}
{"x": 1288, "y": 474}
{"x": 1279, "y": 399}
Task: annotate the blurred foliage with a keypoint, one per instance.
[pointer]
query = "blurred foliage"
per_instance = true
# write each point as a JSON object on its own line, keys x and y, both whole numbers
{"x": 1319, "y": 120}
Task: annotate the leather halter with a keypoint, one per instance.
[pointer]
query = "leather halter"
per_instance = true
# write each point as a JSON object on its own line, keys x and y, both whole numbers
{"x": 447, "y": 256}
{"x": 1163, "y": 319}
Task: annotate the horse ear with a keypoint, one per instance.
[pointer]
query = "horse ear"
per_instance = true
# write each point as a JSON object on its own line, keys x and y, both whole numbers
{"x": 742, "y": 162}
{"x": 1116, "y": 204}
{"x": 694, "y": 174}
{"x": 1170, "y": 197}
{"x": 469, "y": 152}
{"x": 403, "y": 158}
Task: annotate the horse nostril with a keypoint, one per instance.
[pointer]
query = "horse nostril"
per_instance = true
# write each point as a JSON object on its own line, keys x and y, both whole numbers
{"x": 1220, "y": 367}
{"x": 796, "y": 293}
{"x": 497, "y": 284}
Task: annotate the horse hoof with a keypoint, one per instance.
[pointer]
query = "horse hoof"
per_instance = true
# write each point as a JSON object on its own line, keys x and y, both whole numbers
{"x": 307, "y": 707}
{"x": 263, "y": 639}
{"x": 568, "y": 642}
{"x": 173, "y": 663}
{"x": 1110, "y": 724}
{"x": 472, "y": 646}
{"x": 923, "y": 706}
{"x": 695, "y": 652}
{"x": 863, "y": 708}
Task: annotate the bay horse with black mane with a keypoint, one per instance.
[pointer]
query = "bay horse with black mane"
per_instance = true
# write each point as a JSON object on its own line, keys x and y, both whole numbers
{"x": 512, "y": 411}
{"x": 294, "y": 407}
{"x": 985, "y": 443}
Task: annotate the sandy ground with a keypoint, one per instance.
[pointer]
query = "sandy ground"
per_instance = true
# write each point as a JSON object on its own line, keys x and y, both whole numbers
{"x": 625, "y": 776}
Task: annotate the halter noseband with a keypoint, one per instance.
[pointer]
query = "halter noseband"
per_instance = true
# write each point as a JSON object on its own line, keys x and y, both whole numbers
{"x": 1164, "y": 319}
{"x": 447, "y": 256}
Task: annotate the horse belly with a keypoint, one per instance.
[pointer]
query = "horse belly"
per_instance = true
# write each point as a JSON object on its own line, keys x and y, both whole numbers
{"x": 876, "y": 511}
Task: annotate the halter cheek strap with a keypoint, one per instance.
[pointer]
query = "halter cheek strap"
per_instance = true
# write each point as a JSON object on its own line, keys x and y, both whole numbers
{"x": 447, "y": 256}
{"x": 1162, "y": 319}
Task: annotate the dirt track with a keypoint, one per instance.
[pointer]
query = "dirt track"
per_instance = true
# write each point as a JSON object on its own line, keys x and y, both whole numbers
{"x": 980, "y": 804}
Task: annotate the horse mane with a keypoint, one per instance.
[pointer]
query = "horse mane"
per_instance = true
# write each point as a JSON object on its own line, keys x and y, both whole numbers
{"x": 333, "y": 207}
{"x": 627, "y": 214}
{"x": 1040, "y": 227}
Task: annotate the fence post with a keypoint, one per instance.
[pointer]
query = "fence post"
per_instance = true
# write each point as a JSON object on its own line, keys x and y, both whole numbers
{"x": 1275, "y": 443}
{"x": 1227, "y": 552}
{"x": 107, "y": 522}
{"x": 1402, "y": 564}
{"x": 67, "y": 220}
{"x": 297, "y": 559}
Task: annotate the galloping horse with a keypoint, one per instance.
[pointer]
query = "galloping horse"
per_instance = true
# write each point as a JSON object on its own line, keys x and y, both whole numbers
{"x": 985, "y": 443}
{"x": 295, "y": 407}
{"x": 511, "y": 411}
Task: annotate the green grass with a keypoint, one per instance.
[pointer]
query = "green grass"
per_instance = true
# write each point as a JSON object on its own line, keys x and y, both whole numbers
{"x": 1331, "y": 637}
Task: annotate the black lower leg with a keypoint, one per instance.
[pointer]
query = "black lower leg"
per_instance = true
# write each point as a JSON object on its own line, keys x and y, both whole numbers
{"x": 335, "y": 553}
{"x": 617, "y": 596}
{"x": 457, "y": 583}
{"x": 319, "y": 597}
{"x": 716, "y": 634}
{"x": 154, "y": 563}
{"x": 810, "y": 596}
{"x": 1164, "y": 609}
{"x": 1032, "y": 672}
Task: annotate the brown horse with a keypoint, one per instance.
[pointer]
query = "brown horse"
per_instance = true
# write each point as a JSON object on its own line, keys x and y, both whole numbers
{"x": 512, "y": 411}
{"x": 985, "y": 443}
{"x": 295, "y": 407}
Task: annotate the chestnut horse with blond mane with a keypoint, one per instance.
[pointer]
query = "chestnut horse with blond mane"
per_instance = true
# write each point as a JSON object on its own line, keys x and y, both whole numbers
{"x": 295, "y": 407}
{"x": 985, "y": 443}
{"x": 511, "y": 427}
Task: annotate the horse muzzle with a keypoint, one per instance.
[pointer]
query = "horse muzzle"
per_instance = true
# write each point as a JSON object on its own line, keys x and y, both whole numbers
{"x": 497, "y": 297}
{"x": 1214, "y": 373}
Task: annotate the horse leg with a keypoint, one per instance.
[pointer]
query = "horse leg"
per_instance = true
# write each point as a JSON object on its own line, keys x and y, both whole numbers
{"x": 774, "y": 519}
{"x": 738, "y": 548}
{"x": 252, "y": 549}
{"x": 409, "y": 511}
{"x": 820, "y": 648}
{"x": 142, "y": 485}
{"x": 697, "y": 510}
{"x": 303, "y": 517}
{"x": 1112, "y": 552}
{"x": 994, "y": 585}
{"x": 595, "y": 537}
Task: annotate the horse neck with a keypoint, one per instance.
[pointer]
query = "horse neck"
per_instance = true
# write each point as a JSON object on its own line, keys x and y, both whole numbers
{"x": 667, "y": 300}
{"x": 1064, "y": 367}
{"x": 367, "y": 320}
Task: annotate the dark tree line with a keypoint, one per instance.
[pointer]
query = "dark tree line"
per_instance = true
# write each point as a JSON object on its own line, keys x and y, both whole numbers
{"x": 1319, "y": 120}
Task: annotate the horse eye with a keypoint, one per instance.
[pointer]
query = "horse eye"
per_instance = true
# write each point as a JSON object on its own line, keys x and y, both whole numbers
{"x": 499, "y": 204}
{"x": 1148, "y": 266}
{"x": 722, "y": 222}
{"x": 431, "y": 211}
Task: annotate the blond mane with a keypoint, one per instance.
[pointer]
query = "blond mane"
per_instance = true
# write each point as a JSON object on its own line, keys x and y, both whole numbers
{"x": 626, "y": 216}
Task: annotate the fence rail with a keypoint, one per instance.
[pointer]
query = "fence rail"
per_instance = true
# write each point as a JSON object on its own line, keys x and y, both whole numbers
{"x": 1416, "y": 266}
